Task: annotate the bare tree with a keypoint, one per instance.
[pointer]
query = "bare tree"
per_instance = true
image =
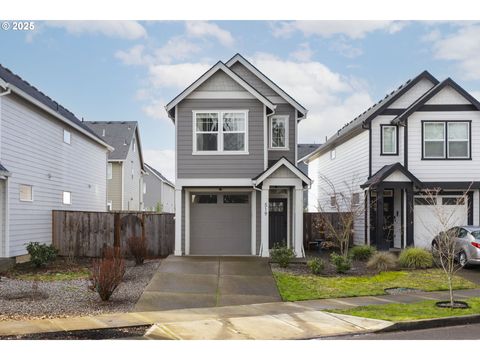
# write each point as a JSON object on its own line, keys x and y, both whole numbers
{"x": 346, "y": 202}
{"x": 444, "y": 247}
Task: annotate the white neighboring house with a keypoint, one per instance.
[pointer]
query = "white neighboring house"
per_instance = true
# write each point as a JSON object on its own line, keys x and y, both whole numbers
{"x": 49, "y": 161}
{"x": 423, "y": 135}
{"x": 158, "y": 191}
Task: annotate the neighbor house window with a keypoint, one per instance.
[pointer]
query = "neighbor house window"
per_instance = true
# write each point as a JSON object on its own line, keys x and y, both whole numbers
{"x": 109, "y": 206}
{"x": 109, "y": 171}
{"x": 220, "y": 132}
{"x": 279, "y": 132}
{"x": 67, "y": 197}
{"x": 446, "y": 140}
{"x": 333, "y": 200}
{"x": 26, "y": 192}
{"x": 355, "y": 198}
{"x": 66, "y": 136}
{"x": 389, "y": 140}
{"x": 333, "y": 154}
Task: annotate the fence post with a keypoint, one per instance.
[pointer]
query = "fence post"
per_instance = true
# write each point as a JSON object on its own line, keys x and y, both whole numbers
{"x": 116, "y": 230}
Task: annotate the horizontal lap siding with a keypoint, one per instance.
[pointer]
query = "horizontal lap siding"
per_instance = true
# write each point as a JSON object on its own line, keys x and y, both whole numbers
{"x": 378, "y": 161}
{"x": 153, "y": 195}
{"x": 32, "y": 149}
{"x": 219, "y": 166}
{"x": 114, "y": 187}
{"x": 132, "y": 199}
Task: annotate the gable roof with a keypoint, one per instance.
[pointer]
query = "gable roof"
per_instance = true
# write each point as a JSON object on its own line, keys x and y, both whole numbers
{"x": 219, "y": 66}
{"x": 305, "y": 149}
{"x": 118, "y": 134}
{"x": 239, "y": 58}
{"x": 386, "y": 171}
{"x": 13, "y": 82}
{"x": 159, "y": 175}
{"x": 283, "y": 161}
{"x": 362, "y": 121}
{"x": 430, "y": 94}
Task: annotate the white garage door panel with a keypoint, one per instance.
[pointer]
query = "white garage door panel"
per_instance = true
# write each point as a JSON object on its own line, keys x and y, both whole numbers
{"x": 427, "y": 224}
{"x": 220, "y": 229}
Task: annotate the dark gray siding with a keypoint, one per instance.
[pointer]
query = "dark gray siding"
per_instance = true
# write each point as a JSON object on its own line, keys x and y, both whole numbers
{"x": 219, "y": 166}
{"x": 273, "y": 155}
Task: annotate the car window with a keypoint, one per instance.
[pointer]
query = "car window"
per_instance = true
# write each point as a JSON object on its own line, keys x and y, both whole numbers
{"x": 476, "y": 234}
{"x": 462, "y": 233}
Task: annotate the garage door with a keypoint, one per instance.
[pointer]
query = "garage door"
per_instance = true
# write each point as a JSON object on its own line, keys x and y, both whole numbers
{"x": 427, "y": 222}
{"x": 220, "y": 224}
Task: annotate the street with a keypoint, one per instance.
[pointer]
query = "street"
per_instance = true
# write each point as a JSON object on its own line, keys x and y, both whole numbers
{"x": 461, "y": 332}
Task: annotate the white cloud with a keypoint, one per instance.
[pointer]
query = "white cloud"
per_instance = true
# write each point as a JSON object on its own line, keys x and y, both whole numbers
{"x": 176, "y": 48}
{"x": 354, "y": 29}
{"x": 346, "y": 49}
{"x": 156, "y": 109}
{"x": 303, "y": 53}
{"x": 202, "y": 29}
{"x": 177, "y": 76}
{"x": 133, "y": 56}
{"x": 126, "y": 29}
{"x": 331, "y": 98}
{"x": 161, "y": 160}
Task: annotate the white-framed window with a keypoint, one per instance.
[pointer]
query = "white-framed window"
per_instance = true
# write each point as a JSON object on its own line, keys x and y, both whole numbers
{"x": 279, "y": 132}
{"x": 25, "y": 192}
{"x": 333, "y": 154}
{"x": 109, "y": 206}
{"x": 446, "y": 140}
{"x": 218, "y": 132}
{"x": 356, "y": 198}
{"x": 67, "y": 197}
{"x": 67, "y": 136}
{"x": 389, "y": 140}
{"x": 109, "y": 171}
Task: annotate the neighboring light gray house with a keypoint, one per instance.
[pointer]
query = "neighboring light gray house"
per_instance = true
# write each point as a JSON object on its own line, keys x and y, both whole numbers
{"x": 49, "y": 161}
{"x": 423, "y": 135}
{"x": 237, "y": 188}
{"x": 304, "y": 150}
{"x": 158, "y": 191}
{"x": 125, "y": 167}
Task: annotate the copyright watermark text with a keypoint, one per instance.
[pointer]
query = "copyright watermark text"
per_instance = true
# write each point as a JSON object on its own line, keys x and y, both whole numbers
{"x": 18, "y": 25}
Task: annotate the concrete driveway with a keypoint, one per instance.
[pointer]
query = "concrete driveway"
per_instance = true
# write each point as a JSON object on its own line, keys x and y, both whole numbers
{"x": 196, "y": 282}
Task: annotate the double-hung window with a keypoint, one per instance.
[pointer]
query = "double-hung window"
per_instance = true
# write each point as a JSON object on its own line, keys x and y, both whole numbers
{"x": 446, "y": 140}
{"x": 279, "y": 132}
{"x": 220, "y": 132}
{"x": 389, "y": 140}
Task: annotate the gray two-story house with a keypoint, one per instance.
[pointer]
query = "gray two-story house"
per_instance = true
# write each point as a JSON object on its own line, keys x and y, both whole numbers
{"x": 237, "y": 188}
{"x": 424, "y": 136}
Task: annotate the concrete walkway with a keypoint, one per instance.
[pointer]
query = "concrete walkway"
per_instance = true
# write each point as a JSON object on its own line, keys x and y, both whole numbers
{"x": 196, "y": 282}
{"x": 284, "y": 320}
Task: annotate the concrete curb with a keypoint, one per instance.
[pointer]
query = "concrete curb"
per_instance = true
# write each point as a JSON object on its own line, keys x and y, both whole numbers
{"x": 432, "y": 323}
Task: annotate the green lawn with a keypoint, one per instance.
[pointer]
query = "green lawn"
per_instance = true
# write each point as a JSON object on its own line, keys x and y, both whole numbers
{"x": 408, "y": 312}
{"x": 303, "y": 287}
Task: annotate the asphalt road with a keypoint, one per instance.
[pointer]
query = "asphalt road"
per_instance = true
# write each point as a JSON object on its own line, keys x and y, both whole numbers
{"x": 461, "y": 332}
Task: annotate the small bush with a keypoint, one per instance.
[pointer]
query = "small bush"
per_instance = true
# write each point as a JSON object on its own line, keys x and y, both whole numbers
{"x": 316, "y": 265}
{"x": 415, "y": 258}
{"x": 108, "y": 272}
{"x": 282, "y": 255}
{"x": 342, "y": 264}
{"x": 41, "y": 254}
{"x": 138, "y": 248}
{"x": 382, "y": 261}
{"x": 362, "y": 252}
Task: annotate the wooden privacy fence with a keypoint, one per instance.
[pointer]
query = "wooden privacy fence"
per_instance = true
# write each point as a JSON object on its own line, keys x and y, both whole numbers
{"x": 83, "y": 233}
{"x": 314, "y": 227}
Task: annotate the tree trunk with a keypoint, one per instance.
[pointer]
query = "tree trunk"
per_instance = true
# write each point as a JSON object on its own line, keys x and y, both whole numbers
{"x": 450, "y": 290}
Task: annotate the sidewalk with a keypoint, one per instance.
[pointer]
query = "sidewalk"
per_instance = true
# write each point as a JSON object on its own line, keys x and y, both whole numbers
{"x": 287, "y": 320}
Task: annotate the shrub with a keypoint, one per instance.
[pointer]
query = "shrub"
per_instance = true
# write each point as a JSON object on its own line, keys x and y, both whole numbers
{"x": 41, "y": 254}
{"x": 362, "y": 252}
{"x": 138, "y": 248}
{"x": 342, "y": 264}
{"x": 316, "y": 265}
{"x": 382, "y": 261}
{"x": 415, "y": 258}
{"x": 282, "y": 255}
{"x": 108, "y": 272}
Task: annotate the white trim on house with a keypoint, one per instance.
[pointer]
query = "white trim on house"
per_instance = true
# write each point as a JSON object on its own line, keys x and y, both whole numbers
{"x": 265, "y": 138}
{"x": 178, "y": 222}
{"x": 220, "y": 133}
{"x": 213, "y": 182}
{"x": 289, "y": 166}
{"x": 296, "y": 138}
{"x": 123, "y": 186}
{"x": 286, "y": 119}
{"x": 218, "y": 66}
{"x": 395, "y": 137}
{"x": 253, "y": 199}
{"x": 187, "y": 222}
{"x": 221, "y": 95}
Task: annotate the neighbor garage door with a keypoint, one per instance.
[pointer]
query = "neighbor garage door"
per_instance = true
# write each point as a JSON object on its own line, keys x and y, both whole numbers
{"x": 427, "y": 223}
{"x": 220, "y": 224}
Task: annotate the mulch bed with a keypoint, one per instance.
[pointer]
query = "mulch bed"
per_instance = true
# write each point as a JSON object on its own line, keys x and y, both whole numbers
{"x": 26, "y": 299}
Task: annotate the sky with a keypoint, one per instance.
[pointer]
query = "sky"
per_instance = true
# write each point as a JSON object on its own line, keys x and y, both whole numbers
{"x": 129, "y": 70}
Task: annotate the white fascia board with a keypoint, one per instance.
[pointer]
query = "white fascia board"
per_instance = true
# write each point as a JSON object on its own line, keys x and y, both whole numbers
{"x": 289, "y": 166}
{"x": 265, "y": 79}
{"x": 215, "y": 182}
{"x": 57, "y": 115}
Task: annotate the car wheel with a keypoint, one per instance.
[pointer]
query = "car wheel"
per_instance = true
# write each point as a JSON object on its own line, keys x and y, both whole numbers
{"x": 462, "y": 259}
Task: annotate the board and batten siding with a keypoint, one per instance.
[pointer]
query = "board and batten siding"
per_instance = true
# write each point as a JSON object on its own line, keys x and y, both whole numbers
{"x": 114, "y": 186}
{"x": 219, "y": 166}
{"x": 132, "y": 187}
{"x": 273, "y": 155}
{"x": 378, "y": 160}
{"x": 32, "y": 149}
{"x": 350, "y": 166}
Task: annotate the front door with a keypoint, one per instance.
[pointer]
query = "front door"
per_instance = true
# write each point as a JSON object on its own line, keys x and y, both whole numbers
{"x": 277, "y": 222}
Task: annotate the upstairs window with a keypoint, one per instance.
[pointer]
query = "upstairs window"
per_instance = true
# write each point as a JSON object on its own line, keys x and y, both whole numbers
{"x": 446, "y": 140}
{"x": 67, "y": 197}
{"x": 26, "y": 192}
{"x": 66, "y": 136}
{"x": 458, "y": 143}
{"x": 389, "y": 140}
{"x": 279, "y": 132}
{"x": 220, "y": 132}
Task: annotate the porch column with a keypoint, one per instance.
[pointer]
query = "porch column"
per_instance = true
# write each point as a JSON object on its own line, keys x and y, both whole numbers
{"x": 178, "y": 222}
{"x": 187, "y": 222}
{"x": 410, "y": 215}
{"x": 298, "y": 222}
{"x": 379, "y": 233}
{"x": 264, "y": 251}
